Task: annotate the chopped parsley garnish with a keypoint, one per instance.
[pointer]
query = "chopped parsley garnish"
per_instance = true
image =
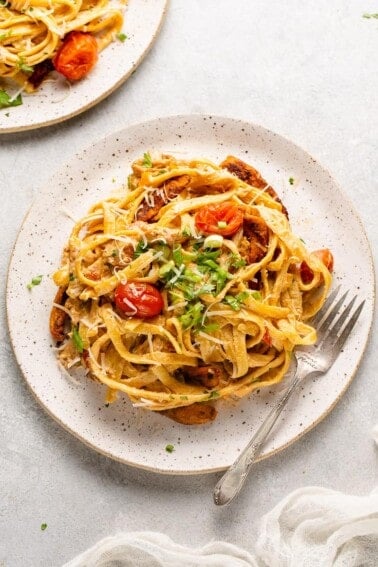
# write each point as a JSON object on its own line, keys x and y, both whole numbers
{"x": 189, "y": 289}
{"x": 130, "y": 184}
{"x": 193, "y": 316}
{"x": 197, "y": 245}
{"x": 256, "y": 295}
{"x": 71, "y": 277}
{"x": 207, "y": 265}
{"x": 141, "y": 247}
{"x": 77, "y": 340}
{"x": 169, "y": 448}
{"x": 237, "y": 261}
{"x": 235, "y": 301}
{"x": 166, "y": 272}
{"x": 219, "y": 278}
{"x": 6, "y": 34}
{"x": 6, "y": 100}
{"x": 203, "y": 257}
{"x": 189, "y": 273}
{"x": 147, "y": 160}
{"x": 121, "y": 36}
{"x": 291, "y": 180}
{"x": 43, "y": 527}
{"x": 187, "y": 232}
{"x": 210, "y": 327}
{"x": 177, "y": 255}
{"x": 115, "y": 253}
{"x": 213, "y": 395}
{"x": 24, "y": 66}
{"x": 35, "y": 281}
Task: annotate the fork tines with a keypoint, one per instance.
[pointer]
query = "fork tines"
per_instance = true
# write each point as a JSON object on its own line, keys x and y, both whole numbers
{"x": 336, "y": 334}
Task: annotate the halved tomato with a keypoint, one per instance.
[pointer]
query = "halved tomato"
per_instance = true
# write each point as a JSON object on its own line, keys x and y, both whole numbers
{"x": 138, "y": 299}
{"x": 221, "y": 218}
{"x": 77, "y": 55}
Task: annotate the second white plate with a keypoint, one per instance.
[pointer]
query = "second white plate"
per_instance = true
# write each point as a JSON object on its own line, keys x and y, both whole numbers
{"x": 56, "y": 101}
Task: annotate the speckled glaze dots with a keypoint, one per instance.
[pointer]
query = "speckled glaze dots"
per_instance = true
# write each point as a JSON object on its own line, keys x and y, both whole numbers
{"x": 319, "y": 213}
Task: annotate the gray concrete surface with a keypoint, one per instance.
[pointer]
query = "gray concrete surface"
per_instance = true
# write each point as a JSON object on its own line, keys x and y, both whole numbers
{"x": 307, "y": 70}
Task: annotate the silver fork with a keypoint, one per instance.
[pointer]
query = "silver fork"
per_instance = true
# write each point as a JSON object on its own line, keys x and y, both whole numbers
{"x": 311, "y": 361}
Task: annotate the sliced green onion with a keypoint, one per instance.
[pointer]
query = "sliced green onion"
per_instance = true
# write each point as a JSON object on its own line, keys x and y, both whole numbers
{"x": 77, "y": 340}
{"x": 121, "y": 36}
{"x": 35, "y": 281}
{"x": 213, "y": 241}
{"x": 177, "y": 255}
{"x": 147, "y": 160}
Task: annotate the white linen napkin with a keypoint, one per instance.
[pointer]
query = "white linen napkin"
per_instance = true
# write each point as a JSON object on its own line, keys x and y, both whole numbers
{"x": 311, "y": 527}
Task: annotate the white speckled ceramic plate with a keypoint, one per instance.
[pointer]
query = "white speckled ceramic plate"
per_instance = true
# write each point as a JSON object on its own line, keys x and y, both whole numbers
{"x": 319, "y": 213}
{"x": 56, "y": 101}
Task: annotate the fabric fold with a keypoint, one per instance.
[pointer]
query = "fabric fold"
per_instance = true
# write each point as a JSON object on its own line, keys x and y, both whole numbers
{"x": 310, "y": 527}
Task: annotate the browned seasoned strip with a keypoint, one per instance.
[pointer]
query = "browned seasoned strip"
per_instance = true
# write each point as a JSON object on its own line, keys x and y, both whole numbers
{"x": 195, "y": 414}
{"x": 58, "y": 316}
{"x": 208, "y": 376}
{"x": 250, "y": 175}
{"x": 255, "y": 240}
{"x": 176, "y": 185}
{"x": 40, "y": 72}
{"x": 173, "y": 187}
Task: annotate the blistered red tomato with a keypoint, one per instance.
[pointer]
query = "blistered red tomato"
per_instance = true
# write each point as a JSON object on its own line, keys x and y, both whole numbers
{"x": 77, "y": 55}
{"x": 138, "y": 299}
{"x": 220, "y": 218}
{"x": 325, "y": 255}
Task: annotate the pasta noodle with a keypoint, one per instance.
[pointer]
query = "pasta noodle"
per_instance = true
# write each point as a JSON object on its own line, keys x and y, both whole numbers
{"x": 32, "y": 31}
{"x": 225, "y": 293}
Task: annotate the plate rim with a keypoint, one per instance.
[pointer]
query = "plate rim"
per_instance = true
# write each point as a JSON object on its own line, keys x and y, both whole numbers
{"x": 188, "y": 117}
{"x": 103, "y": 95}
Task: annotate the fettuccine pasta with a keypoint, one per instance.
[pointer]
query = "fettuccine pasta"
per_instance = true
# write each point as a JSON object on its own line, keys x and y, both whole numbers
{"x": 185, "y": 287}
{"x": 33, "y": 31}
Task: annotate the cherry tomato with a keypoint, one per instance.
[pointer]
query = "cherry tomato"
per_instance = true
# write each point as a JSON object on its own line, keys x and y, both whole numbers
{"x": 138, "y": 299}
{"x": 77, "y": 55}
{"x": 325, "y": 255}
{"x": 221, "y": 218}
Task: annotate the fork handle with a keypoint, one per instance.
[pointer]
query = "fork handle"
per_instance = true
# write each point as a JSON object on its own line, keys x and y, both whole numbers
{"x": 233, "y": 479}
